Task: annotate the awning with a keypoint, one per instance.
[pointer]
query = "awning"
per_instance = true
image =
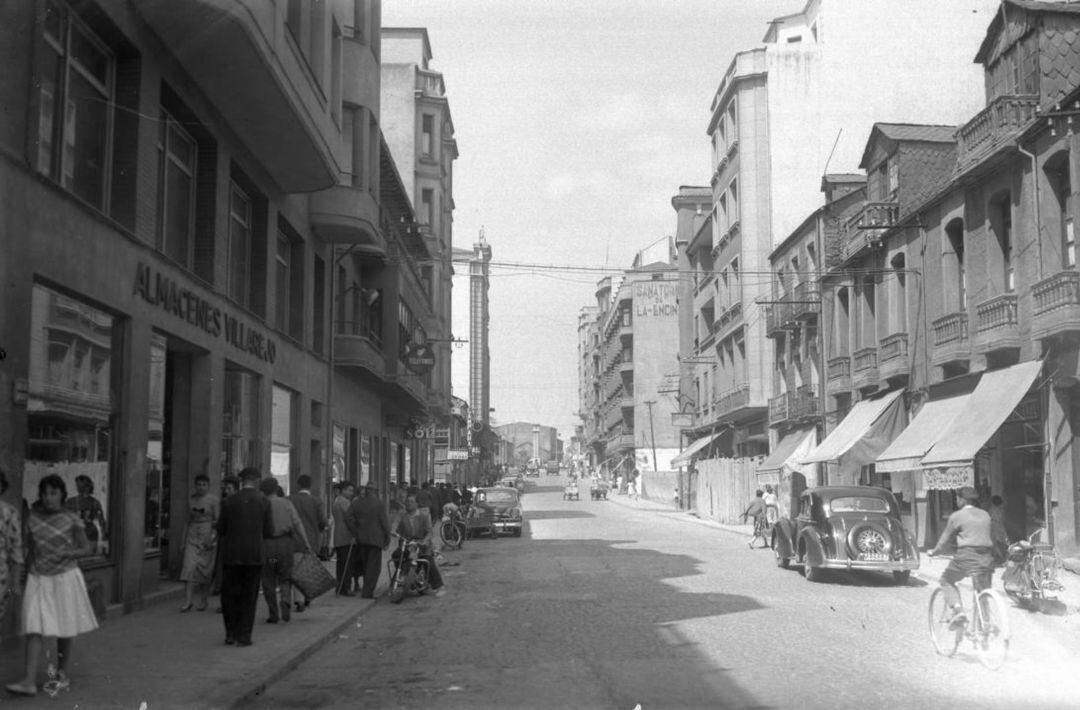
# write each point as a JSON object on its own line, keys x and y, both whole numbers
{"x": 855, "y": 426}
{"x": 790, "y": 449}
{"x": 699, "y": 444}
{"x": 994, "y": 398}
{"x": 928, "y": 426}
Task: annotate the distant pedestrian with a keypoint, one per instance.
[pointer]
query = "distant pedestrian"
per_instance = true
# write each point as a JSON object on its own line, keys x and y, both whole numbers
{"x": 756, "y": 513}
{"x": 245, "y": 520}
{"x": 11, "y": 553}
{"x": 200, "y": 544}
{"x": 370, "y": 526}
{"x": 632, "y": 485}
{"x": 343, "y": 540}
{"x": 424, "y": 499}
{"x": 55, "y": 603}
{"x": 772, "y": 506}
{"x": 619, "y": 485}
{"x": 311, "y": 512}
{"x": 286, "y": 533}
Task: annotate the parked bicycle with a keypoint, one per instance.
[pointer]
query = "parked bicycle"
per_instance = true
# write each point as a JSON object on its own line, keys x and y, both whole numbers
{"x": 984, "y": 622}
{"x": 1031, "y": 572}
{"x": 453, "y": 528}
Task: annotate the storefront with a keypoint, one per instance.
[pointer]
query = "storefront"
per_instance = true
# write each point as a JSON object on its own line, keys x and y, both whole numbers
{"x": 783, "y": 470}
{"x": 850, "y": 449}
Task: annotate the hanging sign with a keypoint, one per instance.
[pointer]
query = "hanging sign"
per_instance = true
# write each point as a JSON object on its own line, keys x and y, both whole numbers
{"x": 420, "y": 358}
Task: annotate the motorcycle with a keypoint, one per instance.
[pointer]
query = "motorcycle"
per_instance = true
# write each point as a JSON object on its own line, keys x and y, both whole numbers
{"x": 408, "y": 570}
{"x": 1031, "y": 572}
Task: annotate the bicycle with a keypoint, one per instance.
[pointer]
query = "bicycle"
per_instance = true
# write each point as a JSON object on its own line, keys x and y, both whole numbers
{"x": 453, "y": 529}
{"x": 985, "y": 625}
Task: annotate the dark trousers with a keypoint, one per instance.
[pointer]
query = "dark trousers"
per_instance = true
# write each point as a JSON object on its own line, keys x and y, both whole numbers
{"x": 277, "y": 575}
{"x": 239, "y": 597}
{"x": 345, "y": 562}
{"x": 369, "y": 565}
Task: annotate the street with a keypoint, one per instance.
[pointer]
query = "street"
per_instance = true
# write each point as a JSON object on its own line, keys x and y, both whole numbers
{"x": 602, "y": 605}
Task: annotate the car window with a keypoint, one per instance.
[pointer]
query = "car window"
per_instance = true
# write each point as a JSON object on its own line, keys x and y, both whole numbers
{"x": 498, "y": 496}
{"x": 859, "y": 504}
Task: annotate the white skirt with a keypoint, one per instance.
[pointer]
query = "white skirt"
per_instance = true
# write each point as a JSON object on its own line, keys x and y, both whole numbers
{"x": 57, "y": 605}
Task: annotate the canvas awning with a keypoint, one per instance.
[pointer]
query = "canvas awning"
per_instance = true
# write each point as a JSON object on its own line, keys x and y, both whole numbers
{"x": 857, "y": 425}
{"x": 685, "y": 455}
{"x": 907, "y": 451}
{"x": 790, "y": 449}
{"x": 995, "y": 397}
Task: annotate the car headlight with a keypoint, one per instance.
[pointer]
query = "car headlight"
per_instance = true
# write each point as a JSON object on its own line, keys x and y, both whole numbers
{"x": 515, "y": 513}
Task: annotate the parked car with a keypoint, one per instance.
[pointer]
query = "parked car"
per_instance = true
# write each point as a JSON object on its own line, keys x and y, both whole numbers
{"x": 514, "y": 482}
{"x": 845, "y": 527}
{"x": 504, "y": 504}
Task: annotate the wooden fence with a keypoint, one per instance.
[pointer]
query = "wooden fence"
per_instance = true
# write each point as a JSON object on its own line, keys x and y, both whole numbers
{"x": 720, "y": 490}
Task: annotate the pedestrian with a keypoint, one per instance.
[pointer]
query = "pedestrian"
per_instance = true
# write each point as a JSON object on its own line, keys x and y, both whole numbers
{"x": 632, "y": 486}
{"x": 756, "y": 512}
{"x": 997, "y": 529}
{"x": 772, "y": 505}
{"x": 245, "y": 520}
{"x": 618, "y": 485}
{"x": 312, "y": 514}
{"x": 229, "y": 486}
{"x": 200, "y": 544}
{"x": 55, "y": 603}
{"x": 286, "y": 533}
{"x": 414, "y": 526}
{"x": 93, "y": 515}
{"x": 11, "y": 553}
{"x": 343, "y": 540}
{"x": 370, "y": 527}
{"x": 424, "y": 499}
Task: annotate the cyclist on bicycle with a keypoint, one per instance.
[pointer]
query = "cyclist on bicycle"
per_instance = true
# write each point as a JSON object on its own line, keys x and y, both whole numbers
{"x": 969, "y": 530}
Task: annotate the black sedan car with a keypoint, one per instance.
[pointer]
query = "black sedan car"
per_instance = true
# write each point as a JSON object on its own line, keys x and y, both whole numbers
{"x": 845, "y": 527}
{"x": 503, "y": 505}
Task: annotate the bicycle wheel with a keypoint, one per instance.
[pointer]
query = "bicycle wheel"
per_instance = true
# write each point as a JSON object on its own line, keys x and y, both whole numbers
{"x": 992, "y": 629}
{"x": 940, "y": 614}
{"x": 451, "y": 534}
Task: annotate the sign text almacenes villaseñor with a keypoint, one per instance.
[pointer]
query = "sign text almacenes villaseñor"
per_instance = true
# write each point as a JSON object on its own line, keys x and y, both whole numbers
{"x": 159, "y": 290}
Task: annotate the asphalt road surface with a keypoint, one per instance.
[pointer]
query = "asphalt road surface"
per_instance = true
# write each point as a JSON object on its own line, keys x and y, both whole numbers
{"x": 599, "y": 605}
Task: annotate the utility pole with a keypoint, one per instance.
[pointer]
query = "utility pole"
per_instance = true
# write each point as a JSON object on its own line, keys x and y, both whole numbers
{"x": 652, "y": 432}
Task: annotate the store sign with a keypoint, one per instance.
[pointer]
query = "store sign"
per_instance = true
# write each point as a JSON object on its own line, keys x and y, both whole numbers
{"x": 947, "y": 479}
{"x": 457, "y": 455}
{"x": 420, "y": 358}
{"x": 159, "y": 290}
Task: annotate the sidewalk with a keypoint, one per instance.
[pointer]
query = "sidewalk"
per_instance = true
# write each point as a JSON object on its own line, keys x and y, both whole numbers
{"x": 172, "y": 660}
{"x": 930, "y": 568}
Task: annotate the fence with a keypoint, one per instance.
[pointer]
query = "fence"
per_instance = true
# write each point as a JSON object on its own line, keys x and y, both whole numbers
{"x": 720, "y": 491}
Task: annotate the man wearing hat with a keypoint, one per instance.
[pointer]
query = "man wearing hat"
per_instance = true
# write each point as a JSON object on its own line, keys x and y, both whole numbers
{"x": 370, "y": 527}
{"x": 968, "y": 530}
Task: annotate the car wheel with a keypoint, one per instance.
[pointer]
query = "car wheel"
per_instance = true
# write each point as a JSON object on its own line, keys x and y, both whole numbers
{"x": 781, "y": 560}
{"x": 868, "y": 538}
{"x": 813, "y": 574}
{"x": 901, "y": 576}
{"x": 517, "y": 532}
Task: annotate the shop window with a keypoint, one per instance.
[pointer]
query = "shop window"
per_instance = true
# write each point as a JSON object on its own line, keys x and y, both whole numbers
{"x": 240, "y": 420}
{"x": 70, "y": 407}
{"x": 337, "y": 464}
{"x": 156, "y": 514}
{"x": 282, "y": 435}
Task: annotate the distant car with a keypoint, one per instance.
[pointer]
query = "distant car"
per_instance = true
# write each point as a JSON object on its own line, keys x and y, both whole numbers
{"x": 504, "y": 504}
{"x": 845, "y": 527}
{"x": 552, "y": 468}
{"x": 513, "y": 482}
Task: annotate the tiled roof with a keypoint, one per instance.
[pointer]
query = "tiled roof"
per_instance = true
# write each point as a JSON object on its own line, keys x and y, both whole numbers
{"x": 1070, "y": 7}
{"x": 917, "y": 132}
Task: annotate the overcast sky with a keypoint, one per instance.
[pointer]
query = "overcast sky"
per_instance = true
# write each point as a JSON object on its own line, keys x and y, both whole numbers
{"x": 576, "y": 123}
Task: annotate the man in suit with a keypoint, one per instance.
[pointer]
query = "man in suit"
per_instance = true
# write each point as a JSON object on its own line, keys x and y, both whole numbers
{"x": 370, "y": 527}
{"x": 312, "y": 515}
{"x": 343, "y": 551}
{"x": 245, "y": 520}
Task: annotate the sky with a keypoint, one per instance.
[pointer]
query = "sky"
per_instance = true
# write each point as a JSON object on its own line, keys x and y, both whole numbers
{"x": 576, "y": 123}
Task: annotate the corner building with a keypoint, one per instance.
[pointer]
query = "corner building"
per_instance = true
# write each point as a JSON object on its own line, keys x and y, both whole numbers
{"x": 208, "y": 260}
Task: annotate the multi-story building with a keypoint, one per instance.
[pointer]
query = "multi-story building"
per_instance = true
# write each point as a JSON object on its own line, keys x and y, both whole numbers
{"x": 627, "y": 353}
{"x": 588, "y": 361}
{"x": 955, "y": 286}
{"x": 528, "y": 441}
{"x": 419, "y": 129}
{"x": 208, "y": 260}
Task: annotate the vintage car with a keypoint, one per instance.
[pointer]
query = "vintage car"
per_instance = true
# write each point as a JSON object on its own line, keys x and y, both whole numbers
{"x": 845, "y": 527}
{"x": 503, "y": 505}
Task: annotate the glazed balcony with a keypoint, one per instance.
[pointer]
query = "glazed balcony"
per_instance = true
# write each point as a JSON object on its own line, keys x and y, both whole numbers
{"x": 344, "y": 214}
{"x": 864, "y": 368}
{"x": 951, "y": 343}
{"x": 995, "y": 126}
{"x": 997, "y": 325}
{"x": 778, "y": 319}
{"x": 1057, "y": 306}
{"x": 864, "y": 229}
{"x": 838, "y": 375}
{"x": 806, "y": 303}
{"x": 893, "y": 358}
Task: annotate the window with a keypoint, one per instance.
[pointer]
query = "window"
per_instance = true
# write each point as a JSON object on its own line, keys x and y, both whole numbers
{"x": 1001, "y": 223}
{"x": 733, "y": 202}
{"x": 427, "y": 135}
{"x": 76, "y": 94}
{"x": 282, "y": 263}
{"x": 841, "y": 344}
{"x": 899, "y": 306}
{"x": 239, "y": 244}
{"x": 240, "y": 420}
{"x": 282, "y": 432}
{"x": 1057, "y": 171}
{"x": 427, "y": 206}
{"x": 954, "y": 252}
{"x": 289, "y": 281}
{"x": 176, "y": 191}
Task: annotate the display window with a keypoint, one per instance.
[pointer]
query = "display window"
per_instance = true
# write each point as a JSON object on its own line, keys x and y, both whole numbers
{"x": 71, "y": 408}
{"x": 240, "y": 420}
{"x": 282, "y": 430}
{"x": 156, "y": 515}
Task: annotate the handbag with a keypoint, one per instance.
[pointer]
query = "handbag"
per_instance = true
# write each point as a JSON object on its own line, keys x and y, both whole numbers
{"x": 310, "y": 576}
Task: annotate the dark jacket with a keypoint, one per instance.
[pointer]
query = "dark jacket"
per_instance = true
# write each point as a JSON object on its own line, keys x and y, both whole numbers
{"x": 310, "y": 510}
{"x": 368, "y": 522}
{"x": 245, "y": 519}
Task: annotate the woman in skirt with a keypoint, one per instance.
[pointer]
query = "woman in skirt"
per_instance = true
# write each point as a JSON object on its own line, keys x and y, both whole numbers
{"x": 55, "y": 602}
{"x": 200, "y": 544}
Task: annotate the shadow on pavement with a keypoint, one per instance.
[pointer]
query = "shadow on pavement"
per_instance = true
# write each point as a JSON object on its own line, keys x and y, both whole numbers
{"x": 557, "y": 514}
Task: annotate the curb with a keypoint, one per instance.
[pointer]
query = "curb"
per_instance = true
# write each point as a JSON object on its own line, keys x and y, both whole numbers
{"x": 686, "y": 516}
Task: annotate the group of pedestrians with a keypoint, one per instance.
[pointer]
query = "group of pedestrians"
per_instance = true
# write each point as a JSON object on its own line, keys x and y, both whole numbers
{"x": 763, "y": 511}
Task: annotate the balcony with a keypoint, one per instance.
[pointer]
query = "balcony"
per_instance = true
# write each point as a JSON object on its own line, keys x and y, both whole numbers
{"x": 838, "y": 375}
{"x": 238, "y": 55}
{"x": 864, "y": 368}
{"x": 806, "y": 302}
{"x": 778, "y": 319}
{"x": 864, "y": 229}
{"x": 626, "y": 331}
{"x": 804, "y": 404}
{"x": 951, "y": 342}
{"x": 626, "y": 402}
{"x": 1057, "y": 305}
{"x": 729, "y": 321}
{"x": 626, "y": 368}
{"x": 995, "y": 126}
{"x": 778, "y": 410}
{"x": 732, "y": 401}
{"x": 894, "y": 359}
{"x": 344, "y": 214}
{"x": 997, "y": 326}
{"x": 360, "y": 351}
{"x": 430, "y": 84}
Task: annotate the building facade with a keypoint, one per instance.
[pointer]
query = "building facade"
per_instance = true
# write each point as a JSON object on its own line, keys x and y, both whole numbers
{"x": 209, "y": 261}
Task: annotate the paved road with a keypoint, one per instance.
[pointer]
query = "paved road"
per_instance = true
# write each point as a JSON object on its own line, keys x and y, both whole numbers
{"x": 603, "y": 606}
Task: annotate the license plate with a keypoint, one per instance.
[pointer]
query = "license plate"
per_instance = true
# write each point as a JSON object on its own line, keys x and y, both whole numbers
{"x": 873, "y": 557}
